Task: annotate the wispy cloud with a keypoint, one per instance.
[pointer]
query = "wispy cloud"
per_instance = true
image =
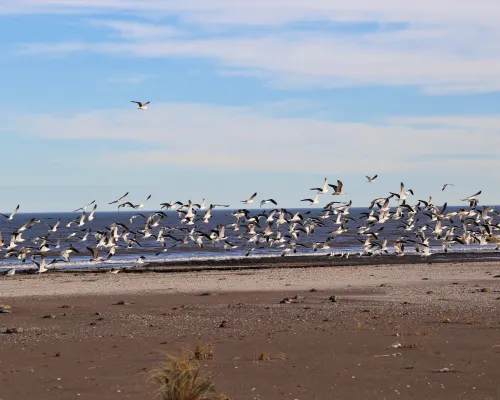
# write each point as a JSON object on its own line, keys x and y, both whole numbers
{"x": 137, "y": 30}
{"x": 208, "y": 136}
{"x": 444, "y": 47}
{"x": 135, "y": 79}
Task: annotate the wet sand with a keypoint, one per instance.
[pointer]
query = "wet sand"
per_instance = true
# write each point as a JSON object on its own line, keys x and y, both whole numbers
{"x": 443, "y": 315}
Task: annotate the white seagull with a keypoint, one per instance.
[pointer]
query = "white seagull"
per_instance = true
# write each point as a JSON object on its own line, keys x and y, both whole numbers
{"x": 141, "y": 106}
{"x": 473, "y": 197}
{"x": 250, "y": 200}
{"x": 11, "y": 216}
{"x": 118, "y": 200}
{"x": 370, "y": 180}
{"x": 312, "y": 201}
{"x": 324, "y": 189}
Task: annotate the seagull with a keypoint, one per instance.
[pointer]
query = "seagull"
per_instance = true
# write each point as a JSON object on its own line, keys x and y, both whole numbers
{"x": 142, "y": 204}
{"x": 84, "y": 207}
{"x": 324, "y": 189}
{"x": 127, "y": 203}
{"x": 268, "y": 201}
{"x": 9, "y": 218}
{"x": 473, "y": 197}
{"x": 91, "y": 216}
{"x": 42, "y": 265}
{"x": 312, "y": 201}
{"x": 141, "y": 106}
{"x": 118, "y": 200}
{"x": 370, "y": 180}
{"x": 95, "y": 254}
{"x": 337, "y": 188}
{"x": 447, "y": 184}
{"x": 403, "y": 195}
{"x": 250, "y": 200}
{"x": 10, "y": 272}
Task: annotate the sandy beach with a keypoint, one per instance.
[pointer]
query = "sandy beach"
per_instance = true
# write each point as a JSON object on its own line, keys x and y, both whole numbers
{"x": 387, "y": 333}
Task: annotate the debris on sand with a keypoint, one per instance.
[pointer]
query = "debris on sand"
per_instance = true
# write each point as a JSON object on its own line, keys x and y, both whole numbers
{"x": 14, "y": 330}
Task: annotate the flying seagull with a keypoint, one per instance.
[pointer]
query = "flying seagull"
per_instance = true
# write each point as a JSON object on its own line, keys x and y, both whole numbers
{"x": 370, "y": 180}
{"x": 447, "y": 184}
{"x": 11, "y": 216}
{"x": 268, "y": 201}
{"x": 144, "y": 202}
{"x": 141, "y": 106}
{"x": 118, "y": 200}
{"x": 84, "y": 207}
{"x": 324, "y": 189}
{"x": 312, "y": 201}
{"x": 250, "y": 200}
{"x": 473, "y": 197}
{"x": 337, "y": 188}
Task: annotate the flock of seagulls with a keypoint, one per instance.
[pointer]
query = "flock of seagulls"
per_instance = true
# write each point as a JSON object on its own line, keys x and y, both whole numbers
{"x": 419, "y": 224}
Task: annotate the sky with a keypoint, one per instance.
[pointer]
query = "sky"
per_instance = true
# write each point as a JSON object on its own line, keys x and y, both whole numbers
{"x": 266, "y": 96}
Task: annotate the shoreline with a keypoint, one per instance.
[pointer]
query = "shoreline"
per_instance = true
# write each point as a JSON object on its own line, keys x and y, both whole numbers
{"x": 256, "y": 263}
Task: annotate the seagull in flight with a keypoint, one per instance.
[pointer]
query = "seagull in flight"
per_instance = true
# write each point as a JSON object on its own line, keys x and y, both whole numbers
{"x": 144, "y": 202}
{"x": 250, "y": 200}
{"x": 141, "y": 106}
{"x": 473, "y": 197}
{"x": 268, "y": 201}
{"x": 447, "y": 184}
{"x": 312, "y": 201}
{"x": 84, "y": 207}
{"x": 11, "y": 216}
{"x": 324, "y": 189}
{"x": 118, "y": 200}
{"x": 370, "y": 180}
{"x": 337, "y": 188}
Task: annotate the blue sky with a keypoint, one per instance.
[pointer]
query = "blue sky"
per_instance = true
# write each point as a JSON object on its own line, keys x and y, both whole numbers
{"x": 266, "y": 96}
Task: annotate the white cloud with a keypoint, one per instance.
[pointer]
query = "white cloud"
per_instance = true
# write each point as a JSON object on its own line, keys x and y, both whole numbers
{"x": 137, "y": 30}
{"x": 220, "y": 137}
{"x": 445, "y": 47}
{"x": 134, "y": 79}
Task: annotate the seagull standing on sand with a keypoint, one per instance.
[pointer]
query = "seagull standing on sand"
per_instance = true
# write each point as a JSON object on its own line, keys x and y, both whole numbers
{"x": 141, "y": 106}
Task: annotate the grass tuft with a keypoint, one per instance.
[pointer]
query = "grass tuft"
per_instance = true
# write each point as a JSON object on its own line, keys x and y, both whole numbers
{"x": 474, "y": 318}
{"x": 178, "y": 378}
{"x": 203, "y": 351}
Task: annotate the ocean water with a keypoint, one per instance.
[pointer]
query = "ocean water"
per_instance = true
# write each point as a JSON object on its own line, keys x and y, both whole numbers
{"x": 345, "y": 242}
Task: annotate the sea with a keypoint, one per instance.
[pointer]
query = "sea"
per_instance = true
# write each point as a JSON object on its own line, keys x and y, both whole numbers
{"x": 347, "y": 243}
